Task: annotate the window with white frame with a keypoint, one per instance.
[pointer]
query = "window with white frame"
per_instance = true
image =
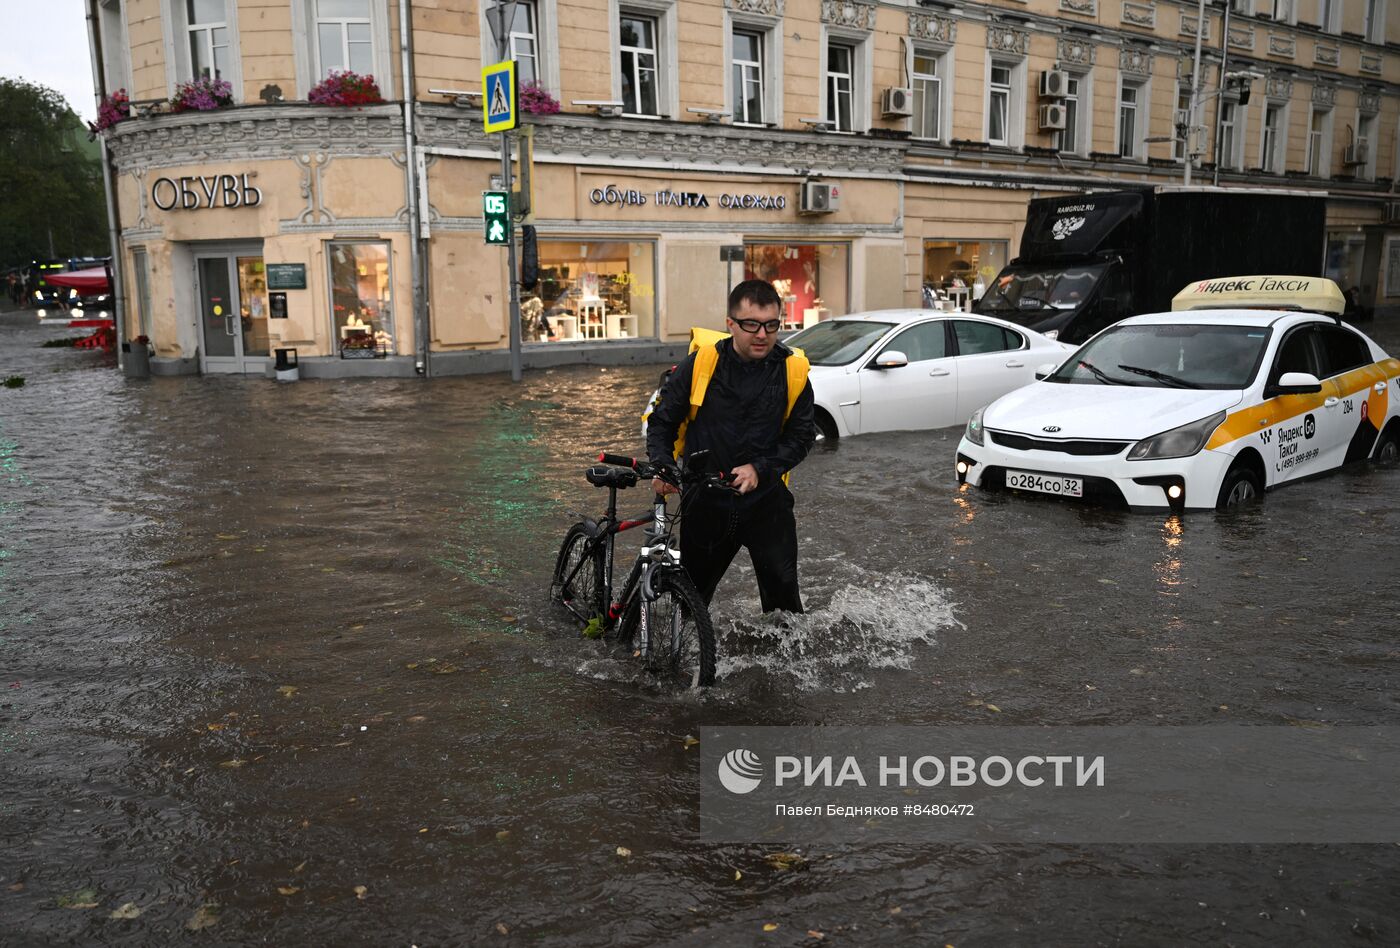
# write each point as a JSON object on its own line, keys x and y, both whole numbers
{"x": 840, "y": 85}
{"x": 1319, "y": 142}
{"x": 116, "y": 47}
{"x": 1077, "y": 113}
{"x": 746, "y": 76}
{"x": 1365, "y": 144}
{"x": 927, "y": 83}
{"x": 1131, "y": 119}
{"x": 524, "y": 42}
{"x": 1241, "y": 6}
{"x": 1375, "y": 21}
{"x": 1271, "y": 138}
{"x": 1284, "y": 11}
{"x": 1181, "y": 124}
{"x": 999, "y": 104}
{"x": 208, "y": 37}
{"x": 344, "y": 37}
{"x": 641, "y": 78}
{"x": 1230, "y": 135}
{"x": 1329, "y": 15}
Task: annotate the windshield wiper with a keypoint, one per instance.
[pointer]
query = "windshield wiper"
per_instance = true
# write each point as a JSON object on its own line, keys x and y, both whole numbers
{"x": 1103, "y": 376}
{"x": 1159, "y": 376}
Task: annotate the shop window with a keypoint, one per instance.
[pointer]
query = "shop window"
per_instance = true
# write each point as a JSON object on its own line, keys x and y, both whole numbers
{"x": 362, "y": 304}
{"x": 957, "y": 271}
{"x": 592, "y": 290}
{"x": 812, "y": 279}
{"x": 1319, "y": 142}
{"x": 1346, "y": 254}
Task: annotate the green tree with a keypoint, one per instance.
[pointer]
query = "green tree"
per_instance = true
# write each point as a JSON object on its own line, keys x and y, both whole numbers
{"x": 50, "y": 179}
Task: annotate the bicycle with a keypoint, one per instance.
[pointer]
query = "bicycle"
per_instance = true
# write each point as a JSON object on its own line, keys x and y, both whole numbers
{"x": 659, "y": 609}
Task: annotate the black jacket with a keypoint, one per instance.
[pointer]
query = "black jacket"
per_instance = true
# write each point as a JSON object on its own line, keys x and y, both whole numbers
{"x": 741, "y": 418}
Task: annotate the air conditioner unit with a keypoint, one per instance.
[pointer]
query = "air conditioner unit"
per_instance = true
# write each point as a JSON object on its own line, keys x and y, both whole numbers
{"x": 1054, "y": 84}
{"x": 1357, "y": 154}
{"x": 820, "y": 198}
{"x": 895, "y": 102}
{"x": 1052, "y": 117}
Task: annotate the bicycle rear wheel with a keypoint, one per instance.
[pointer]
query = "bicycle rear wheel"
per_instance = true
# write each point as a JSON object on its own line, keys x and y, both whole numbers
{"x": 680, "y": 638}
{"x": 578, "y": 575}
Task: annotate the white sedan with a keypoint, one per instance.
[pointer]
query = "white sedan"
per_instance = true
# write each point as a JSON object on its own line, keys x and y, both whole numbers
{"x": 910, "y": 369}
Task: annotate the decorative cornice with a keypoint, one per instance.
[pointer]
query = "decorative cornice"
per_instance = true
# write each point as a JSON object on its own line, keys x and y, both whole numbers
{"x": 1327, "y": 55}
{"x": 1279, "y": 85}
{"x": 932, "y": 27}
{"x": 1139, "y": 14}
{"x": 1283, "y": 44}
{"x": 1242, "y": 38}
{"x": 1324, "y": 94}
{"x": 1368, "y": 100}
{"x": 1084, "y": 7}
{"x": 1135, "y": 61}
{"x": 773, "y": 8}
{"x": 1371, "y": 62}
{"x": 1008, "y": 39}
{"x": 1190, "y": 23}
{"x": 1075, "y": 51}
{"x": 849, "y": 13}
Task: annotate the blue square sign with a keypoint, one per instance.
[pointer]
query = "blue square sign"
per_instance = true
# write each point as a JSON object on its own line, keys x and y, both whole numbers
{"x": 499, "y": 99}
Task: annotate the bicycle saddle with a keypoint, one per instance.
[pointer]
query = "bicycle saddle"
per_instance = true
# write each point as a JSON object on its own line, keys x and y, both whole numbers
{"x": 619, "y": 477}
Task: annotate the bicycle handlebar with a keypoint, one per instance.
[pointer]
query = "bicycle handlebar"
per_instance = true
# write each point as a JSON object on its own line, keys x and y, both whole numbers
{"x": 646, "y": 469}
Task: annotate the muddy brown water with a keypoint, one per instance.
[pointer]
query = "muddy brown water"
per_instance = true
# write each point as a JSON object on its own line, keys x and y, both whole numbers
{"x": 262, "y": 646}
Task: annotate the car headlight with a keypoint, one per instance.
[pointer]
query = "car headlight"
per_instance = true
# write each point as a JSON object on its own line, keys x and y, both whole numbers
{"x": 1180, "y": 442}
{"x": 1052, "y": 334}
{"x": 974, "y": 427}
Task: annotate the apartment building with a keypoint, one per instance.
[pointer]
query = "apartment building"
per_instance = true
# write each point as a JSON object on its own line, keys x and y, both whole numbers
{"x": 854, "y": 152}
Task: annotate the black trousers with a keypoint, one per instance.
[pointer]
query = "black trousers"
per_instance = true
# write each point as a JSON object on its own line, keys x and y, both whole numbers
{"x": 715, "y": 524}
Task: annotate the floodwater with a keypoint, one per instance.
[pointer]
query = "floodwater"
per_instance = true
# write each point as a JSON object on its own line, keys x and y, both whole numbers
{"x": 276, "y": 665}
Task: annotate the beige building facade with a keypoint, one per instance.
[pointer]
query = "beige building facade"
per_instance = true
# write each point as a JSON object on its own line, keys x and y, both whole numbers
{"x": 861, "y": 155}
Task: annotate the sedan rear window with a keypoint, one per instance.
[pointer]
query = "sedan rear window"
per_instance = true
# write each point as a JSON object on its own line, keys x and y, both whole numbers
{"x": 838, "y": 341}
{"x": 1169, "y": 356}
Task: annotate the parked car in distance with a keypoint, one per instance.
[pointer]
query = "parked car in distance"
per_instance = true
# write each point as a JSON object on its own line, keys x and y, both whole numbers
{"x": 913, "y": 369}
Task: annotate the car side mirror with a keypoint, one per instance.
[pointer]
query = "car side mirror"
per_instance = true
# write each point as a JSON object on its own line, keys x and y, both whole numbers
{"x": 890, "y": 359}
{"x": 1044, "y": 371}
{"x": 1295, "y": 383}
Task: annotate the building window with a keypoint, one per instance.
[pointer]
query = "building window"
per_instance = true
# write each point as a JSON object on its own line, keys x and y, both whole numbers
{"x": 1229, "y": 137}
{"x": 928, "y": 96}
{"x": 344, "y": 37}
{"x": 1365, "y": 144}
{"x": 208, "y": 38}
{"x": 640, "y": 78}
{"x": 1271, "y": 140}
{"x": 592, "y": 290}
{"x": 812, "y": 279}
{"x": 956, "y": 271}
{"x": 840, "y": 80}
{"x": 1319, "y": 143}
{"x": 1242, "y": 6}
{"x": 1181, "y": 124}
{"x": 524, "y": 47}
{"x": 999, "y": 105}
{"x": 1284, "y": 11}
{"x": 1129, "y": 131}
{"x": 362, "y": 304}
{"x": 1329, "y": 15}
{"x": 1375, "y": 21}
{"x": 748, "y": 77}
{"x": 1076, "y": 110}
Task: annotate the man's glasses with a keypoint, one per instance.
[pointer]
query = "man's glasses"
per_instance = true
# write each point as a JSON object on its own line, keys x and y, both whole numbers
{"x": 754, "y": 325}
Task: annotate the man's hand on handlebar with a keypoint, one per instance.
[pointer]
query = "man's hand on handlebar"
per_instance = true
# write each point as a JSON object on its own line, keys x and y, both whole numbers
{"x": 744, "y": 478}
{"x": 664, "y": 487}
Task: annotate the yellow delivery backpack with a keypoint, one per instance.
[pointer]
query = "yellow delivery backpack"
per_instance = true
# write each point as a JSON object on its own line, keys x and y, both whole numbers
{"x": 702, "y": 343}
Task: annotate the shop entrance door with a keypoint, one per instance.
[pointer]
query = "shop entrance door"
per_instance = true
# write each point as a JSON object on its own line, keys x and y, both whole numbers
{"x": 232, "y": 290}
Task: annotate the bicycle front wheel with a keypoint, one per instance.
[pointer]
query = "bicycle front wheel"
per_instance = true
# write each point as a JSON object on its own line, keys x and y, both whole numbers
{"x": 680, "y": 636}
{"x": 578, "y": 575}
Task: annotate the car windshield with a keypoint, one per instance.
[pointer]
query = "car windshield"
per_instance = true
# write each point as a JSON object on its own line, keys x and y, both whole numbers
{"x": 1168, "y": 356}
{"x": 837, "y": 341}
{"x": 1030, "y": 294}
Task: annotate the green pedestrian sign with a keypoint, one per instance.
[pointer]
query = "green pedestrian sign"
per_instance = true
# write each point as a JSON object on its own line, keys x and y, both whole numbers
{"x": 495, "y": 212}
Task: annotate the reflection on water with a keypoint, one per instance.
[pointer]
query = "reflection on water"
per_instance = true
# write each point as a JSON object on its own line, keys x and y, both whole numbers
{"x": 284, "y": 650}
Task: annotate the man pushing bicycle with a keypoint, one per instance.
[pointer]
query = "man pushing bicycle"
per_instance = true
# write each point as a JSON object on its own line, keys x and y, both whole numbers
{"x": 746, "y": 400}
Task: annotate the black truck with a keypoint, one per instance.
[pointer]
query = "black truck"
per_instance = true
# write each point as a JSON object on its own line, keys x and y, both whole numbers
{"x": 1092, "y": 259}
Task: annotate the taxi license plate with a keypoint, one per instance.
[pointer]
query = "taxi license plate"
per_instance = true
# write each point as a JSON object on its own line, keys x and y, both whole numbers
{"x": 1060, "y": 486}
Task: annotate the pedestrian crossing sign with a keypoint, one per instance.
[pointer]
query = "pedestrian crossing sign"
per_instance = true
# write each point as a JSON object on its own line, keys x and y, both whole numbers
{"x": 499, "y": 97}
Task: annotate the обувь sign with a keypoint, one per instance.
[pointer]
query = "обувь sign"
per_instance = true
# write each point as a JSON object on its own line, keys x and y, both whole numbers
{"x": 191, "y": 192}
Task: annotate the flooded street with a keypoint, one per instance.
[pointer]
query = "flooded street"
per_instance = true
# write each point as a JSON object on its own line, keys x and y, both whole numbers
{"x": 277, "y": 664}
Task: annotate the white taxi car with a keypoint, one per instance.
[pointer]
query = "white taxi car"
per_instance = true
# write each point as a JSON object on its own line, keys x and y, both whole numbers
{"x": 1250, "y": 383}
{"x": 910, "y": 369}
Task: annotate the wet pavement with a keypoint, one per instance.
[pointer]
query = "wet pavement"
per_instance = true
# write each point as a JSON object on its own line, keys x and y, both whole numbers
{"x": 276, "y": 666}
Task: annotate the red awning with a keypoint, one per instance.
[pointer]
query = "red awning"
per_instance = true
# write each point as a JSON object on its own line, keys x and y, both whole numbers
{"x": 93, "y": 280}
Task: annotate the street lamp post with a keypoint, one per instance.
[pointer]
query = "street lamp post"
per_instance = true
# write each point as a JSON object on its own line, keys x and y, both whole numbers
{"x": 1188, "y": 153}
{"x": 501, "y": 16}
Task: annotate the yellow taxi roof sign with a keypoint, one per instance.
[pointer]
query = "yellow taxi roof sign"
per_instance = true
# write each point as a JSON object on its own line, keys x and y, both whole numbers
{"x": 1306, "y": 294}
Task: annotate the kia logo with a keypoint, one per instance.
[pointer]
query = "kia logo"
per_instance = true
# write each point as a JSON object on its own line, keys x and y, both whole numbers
{"x": 1051, "y": 428}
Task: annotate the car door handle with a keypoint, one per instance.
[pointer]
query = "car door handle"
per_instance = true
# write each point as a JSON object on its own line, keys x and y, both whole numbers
{"x": 1013, "y": 364}
{"x": 937, "y": 371}
{"x": 1380, "y": 386}
{"x": 1331, "y": 401}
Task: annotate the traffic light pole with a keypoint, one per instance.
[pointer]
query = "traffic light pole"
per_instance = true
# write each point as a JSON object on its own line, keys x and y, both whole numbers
{"x": 514, "y": 312}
